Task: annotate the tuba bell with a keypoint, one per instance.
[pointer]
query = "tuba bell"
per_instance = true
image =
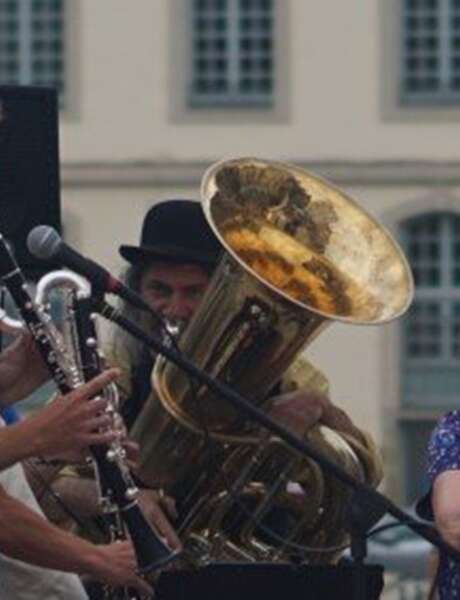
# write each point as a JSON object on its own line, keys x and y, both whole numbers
{"x": 299, "y": 254}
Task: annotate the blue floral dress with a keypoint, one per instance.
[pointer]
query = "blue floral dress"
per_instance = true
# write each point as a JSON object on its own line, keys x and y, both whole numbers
{"x": 444, "y": 455}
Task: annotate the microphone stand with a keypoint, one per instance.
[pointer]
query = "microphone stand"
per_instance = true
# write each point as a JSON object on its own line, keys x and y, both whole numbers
{"x": 367, "y": 505}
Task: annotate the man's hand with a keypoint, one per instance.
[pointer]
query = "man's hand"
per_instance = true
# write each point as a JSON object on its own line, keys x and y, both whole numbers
{"x": 115, "y": 564}
{"x": 22, "y": 370}
{"x": 154, "y": 505}
{"x": 298, "y": 411}
{"x": 132, "y": 453}
{"x": 66, "y": 427}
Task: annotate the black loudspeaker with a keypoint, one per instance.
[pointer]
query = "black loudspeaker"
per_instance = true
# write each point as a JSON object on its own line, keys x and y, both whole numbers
{"x": 267, "y": 582}
{"x": 29, "y": 168}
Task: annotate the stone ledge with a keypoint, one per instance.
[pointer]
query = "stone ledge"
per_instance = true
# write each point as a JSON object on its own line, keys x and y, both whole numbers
{"x": 173, "y": 174}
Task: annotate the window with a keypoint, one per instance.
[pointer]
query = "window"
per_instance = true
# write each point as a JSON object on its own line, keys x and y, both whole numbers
{"x": 430, "y": 52}
{"x": 430, "y": 377}
{"x": 232, "y": 53}
{"x": 32, "y": 43}
{"x": 431, "y": 347}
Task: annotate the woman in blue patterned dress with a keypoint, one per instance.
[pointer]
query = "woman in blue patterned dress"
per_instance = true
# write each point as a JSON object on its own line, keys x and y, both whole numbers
{"x": 444, "y": 473}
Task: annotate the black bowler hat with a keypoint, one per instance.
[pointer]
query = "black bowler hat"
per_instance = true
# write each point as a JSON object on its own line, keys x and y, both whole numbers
{"x": 175, "y": 230}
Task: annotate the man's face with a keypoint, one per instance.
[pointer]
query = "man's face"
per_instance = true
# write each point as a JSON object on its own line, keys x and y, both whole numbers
{"x": 175, "y": 290}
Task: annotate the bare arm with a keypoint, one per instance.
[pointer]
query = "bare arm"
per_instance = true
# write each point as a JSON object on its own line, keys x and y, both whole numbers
{"x": 17, "y": 442}
{"x": 301, "y": 409}
{"x": 446, "y": 506}
{"x": 26, "y": 536}
{"x": 21, "y": 370}
{"x": 69, "y": 424}
{"x": 22, "y": 535}
{"x": 79, "y": 494}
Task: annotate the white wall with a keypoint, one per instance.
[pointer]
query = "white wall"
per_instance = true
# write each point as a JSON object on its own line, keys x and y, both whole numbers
{"x": 126, "y": 82}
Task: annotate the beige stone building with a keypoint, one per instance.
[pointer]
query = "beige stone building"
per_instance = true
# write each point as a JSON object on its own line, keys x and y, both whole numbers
{"x": 365, "y": 93}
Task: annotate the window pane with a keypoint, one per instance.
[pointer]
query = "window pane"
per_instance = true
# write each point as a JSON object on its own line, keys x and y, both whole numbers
{"x": 32, "y": 43}
{"x": 430, "y": 387}
{"x": 423, "y": 330}
{"x": 455, "y": 251}
{"x": 424, "y": 250}
{"x": 47, "y": 31}
{"x": 232, "y": 49}
{"x": 455, "y": 338}
{"x": 430, "y": 60}
{"x": 415, "y": 436}
{"x": 9, "y": 43}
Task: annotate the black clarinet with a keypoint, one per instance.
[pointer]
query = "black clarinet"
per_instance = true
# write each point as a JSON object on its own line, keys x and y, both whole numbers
{"x": 117, "y": 508}
{"x": 38, "y": 322}
{"x": 115, "y": 481}
{"x": 121, "y": 507}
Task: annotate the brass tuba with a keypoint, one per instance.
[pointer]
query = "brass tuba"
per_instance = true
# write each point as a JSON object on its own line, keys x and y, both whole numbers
{"x": 299, "y": 254}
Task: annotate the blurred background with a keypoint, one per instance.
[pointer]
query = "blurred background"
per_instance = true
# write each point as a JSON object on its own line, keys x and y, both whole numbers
{"x": 364, "y": 93}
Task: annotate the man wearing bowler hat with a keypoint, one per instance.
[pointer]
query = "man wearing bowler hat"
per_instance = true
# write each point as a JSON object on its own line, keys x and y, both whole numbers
{"x": 171, "y": 269}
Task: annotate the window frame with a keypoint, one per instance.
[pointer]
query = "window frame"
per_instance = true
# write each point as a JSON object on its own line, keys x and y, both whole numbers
{"x": 444, "y": 295}
{"x": 443, "y": 96}
{"x": 68, "y": 104}
{"x": 395, "y": 414}
{"x": 232, "y": 98}
{"x": 392, "y": 108}
{"x": 180, "y": 36}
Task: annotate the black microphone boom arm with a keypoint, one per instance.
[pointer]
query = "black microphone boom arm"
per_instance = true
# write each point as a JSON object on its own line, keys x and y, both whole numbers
{"x": 371, "y": 500}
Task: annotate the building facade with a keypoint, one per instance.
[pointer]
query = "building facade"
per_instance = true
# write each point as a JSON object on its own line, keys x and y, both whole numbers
{"x": 366, "y": 94}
